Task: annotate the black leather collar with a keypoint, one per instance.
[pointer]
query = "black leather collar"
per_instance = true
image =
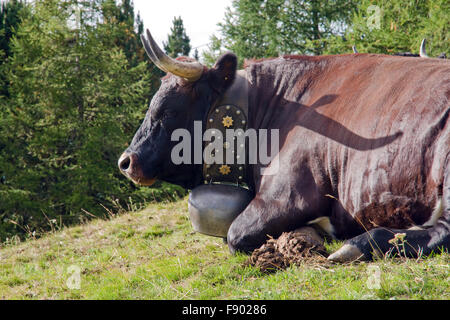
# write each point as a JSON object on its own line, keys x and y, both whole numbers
{"x": 229, "y": 112}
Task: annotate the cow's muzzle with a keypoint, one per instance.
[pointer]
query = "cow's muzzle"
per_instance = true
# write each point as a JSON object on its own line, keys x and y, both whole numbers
{"x": 129, "y": 166}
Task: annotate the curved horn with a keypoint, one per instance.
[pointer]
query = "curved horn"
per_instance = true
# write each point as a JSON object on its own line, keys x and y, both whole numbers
{"x": 354, "y": 49}
{"x": 423, "y": 52}
{"x": 150, "y": 54}
{"x": 191, "y": 71}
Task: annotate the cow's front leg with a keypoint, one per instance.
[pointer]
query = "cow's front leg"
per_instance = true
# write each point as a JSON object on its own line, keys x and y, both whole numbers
{"x": 247, "y": 232}
{"x": 259, "y": 220}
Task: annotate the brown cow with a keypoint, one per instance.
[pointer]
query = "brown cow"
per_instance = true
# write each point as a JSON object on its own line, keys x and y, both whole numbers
{"x": 364, "y": 146}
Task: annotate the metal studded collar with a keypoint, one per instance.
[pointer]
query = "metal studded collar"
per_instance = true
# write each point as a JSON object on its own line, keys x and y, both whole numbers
{"x": 229, "y": 112}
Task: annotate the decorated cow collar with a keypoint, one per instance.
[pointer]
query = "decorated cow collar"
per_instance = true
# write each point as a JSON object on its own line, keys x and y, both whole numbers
{"x": 229, "y": 112}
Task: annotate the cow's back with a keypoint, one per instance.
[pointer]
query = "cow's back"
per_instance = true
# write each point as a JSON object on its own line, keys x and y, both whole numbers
{"x": 398, "y": 110}
{"x": 375, "y": 130}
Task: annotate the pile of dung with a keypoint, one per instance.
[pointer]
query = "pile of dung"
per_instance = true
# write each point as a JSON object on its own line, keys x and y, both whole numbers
{"x": 290, "y": 248}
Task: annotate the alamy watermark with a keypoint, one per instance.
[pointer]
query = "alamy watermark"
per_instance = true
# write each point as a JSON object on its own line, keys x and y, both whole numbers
{"x": 374, "y": 277}
{"x": 73, "y": 282}
{"x": 374, "y": 17}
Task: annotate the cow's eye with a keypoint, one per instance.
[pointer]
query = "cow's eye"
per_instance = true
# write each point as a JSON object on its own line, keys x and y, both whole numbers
{"x": 169, "y": 114}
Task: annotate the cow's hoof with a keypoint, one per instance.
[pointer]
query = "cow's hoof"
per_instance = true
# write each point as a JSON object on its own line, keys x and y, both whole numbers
{"x": 347, "y": 253}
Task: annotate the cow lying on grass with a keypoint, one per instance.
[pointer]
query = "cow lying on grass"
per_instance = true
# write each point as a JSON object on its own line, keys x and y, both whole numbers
{"x": 364, "y": 146}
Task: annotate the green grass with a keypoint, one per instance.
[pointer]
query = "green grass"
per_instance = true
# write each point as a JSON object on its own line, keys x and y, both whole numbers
{"x": 154, "y": 254}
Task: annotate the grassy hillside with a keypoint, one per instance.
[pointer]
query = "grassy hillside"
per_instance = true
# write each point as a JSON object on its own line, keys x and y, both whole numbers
{"x": 154, "y": 254}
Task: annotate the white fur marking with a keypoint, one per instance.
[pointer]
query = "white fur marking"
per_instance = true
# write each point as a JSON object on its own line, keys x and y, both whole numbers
{"x": 415, "y": 228}
{"x": 436, "y": 214}
{"x": 324, "y": 224}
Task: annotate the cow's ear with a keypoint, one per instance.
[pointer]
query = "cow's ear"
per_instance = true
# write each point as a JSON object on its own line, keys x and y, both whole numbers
{"x": 223, "y": 72}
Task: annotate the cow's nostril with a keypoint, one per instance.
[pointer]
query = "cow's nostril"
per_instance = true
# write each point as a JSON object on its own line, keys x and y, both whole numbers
{"x": 124, "y": 163}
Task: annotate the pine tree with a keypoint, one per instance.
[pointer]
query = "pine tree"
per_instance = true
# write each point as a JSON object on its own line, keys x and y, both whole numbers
{"x": 214, "y": 51}
{"x": 435, "y": 28}
{"x": 10, "y": 17}
{"x": 75, "y": 102}
{"x": 178, "y": 43}
{"x": 9, "y": 20}
{"x": 266, "y": 28}
{"x": 128, "y": 28}
{"x": 389, "y": 27}
{"x": 196, "y": 56}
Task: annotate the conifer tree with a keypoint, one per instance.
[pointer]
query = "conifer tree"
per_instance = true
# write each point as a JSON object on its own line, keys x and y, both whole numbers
{"x": 178, "y": 43}
{"x": 196, "y": 55}
{"x": 10, "y": 17}
{"x": 267, "y": 28}
{"x": 75, "y": 103}
{"x": 389, "y": 27}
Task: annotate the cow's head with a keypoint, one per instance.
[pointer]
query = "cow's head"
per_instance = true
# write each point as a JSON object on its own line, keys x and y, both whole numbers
{"x": 185, "y": 95}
